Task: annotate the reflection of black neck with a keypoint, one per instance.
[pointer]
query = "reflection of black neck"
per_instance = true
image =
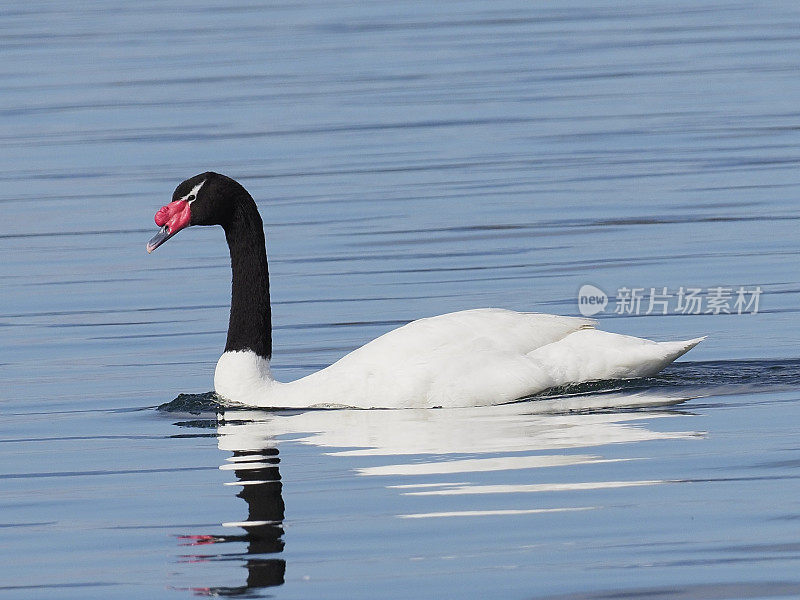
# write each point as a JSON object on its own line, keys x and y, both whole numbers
{"x": 250, "y": 325}
{"x": 264, "y": 501}
{"x": 261, "y": 490}
{"x": 265, "y": 512}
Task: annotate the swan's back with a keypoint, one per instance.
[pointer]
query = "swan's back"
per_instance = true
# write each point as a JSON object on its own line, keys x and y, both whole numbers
{"x": 459, "y": 332}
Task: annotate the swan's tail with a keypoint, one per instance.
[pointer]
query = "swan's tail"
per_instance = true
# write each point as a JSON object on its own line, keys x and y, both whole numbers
{"x": 591, "y": 355}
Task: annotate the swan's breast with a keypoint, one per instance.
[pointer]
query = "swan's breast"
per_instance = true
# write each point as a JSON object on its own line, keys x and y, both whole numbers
{"x": 243, "y": 376}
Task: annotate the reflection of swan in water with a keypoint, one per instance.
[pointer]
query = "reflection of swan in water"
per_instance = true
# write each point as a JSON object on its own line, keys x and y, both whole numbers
{"x": 506, "y": 438}
{"x": 525, "y": 426}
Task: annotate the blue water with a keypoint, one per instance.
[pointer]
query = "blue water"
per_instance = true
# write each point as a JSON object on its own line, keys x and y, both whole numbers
{"x": 408, "y": 159}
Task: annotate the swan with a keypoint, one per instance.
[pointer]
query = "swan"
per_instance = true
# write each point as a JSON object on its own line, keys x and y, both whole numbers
{"x": 476, "y": 357}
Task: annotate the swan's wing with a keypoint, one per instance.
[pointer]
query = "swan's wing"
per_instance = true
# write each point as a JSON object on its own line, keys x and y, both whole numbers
{"x": 490, "y": 376}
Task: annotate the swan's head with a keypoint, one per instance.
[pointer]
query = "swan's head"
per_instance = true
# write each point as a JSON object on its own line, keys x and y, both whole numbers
{"x": 205, "y": 199}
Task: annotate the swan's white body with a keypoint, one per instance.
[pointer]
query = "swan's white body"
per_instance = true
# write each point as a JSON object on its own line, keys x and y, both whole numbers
{"x": 470, "y": 358}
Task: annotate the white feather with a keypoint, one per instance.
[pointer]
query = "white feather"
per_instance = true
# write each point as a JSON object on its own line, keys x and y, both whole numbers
{"x": 470, "y": 358}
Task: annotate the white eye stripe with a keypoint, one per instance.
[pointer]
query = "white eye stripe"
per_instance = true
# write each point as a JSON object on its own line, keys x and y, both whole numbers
{"x": 194, "y": 192}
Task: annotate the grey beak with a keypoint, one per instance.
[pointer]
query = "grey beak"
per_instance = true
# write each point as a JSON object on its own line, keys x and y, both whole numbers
{"x": 162, "y": 236}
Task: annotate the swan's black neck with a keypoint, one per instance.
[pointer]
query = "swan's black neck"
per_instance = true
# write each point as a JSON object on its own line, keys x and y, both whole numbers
{"x": 250, "y": 326}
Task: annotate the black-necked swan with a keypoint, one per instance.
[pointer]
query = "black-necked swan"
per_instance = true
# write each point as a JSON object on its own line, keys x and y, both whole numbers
{"x": 474, "y": 357}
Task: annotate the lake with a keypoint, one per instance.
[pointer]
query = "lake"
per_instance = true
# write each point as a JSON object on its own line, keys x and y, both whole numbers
{"x": 409, "y": 159}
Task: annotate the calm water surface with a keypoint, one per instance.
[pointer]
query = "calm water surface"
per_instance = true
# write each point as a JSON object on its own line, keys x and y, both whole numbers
{"x": 409, "y": 159}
